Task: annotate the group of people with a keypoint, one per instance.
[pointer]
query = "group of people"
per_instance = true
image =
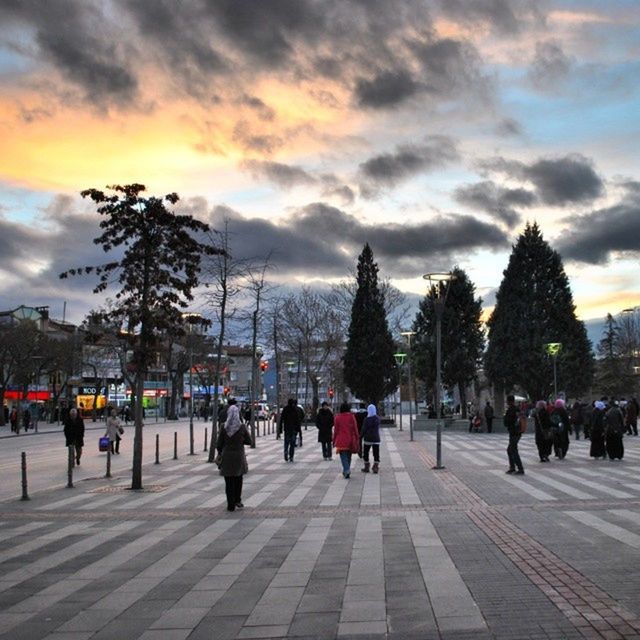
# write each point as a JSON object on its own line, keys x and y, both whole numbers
{"x": 347, "y": 432}
{"x": 605, "y": 423}
{"x": 350, "y": 434}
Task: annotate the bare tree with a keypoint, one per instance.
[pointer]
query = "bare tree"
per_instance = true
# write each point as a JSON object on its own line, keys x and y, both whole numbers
{"x": 225, "y": 277}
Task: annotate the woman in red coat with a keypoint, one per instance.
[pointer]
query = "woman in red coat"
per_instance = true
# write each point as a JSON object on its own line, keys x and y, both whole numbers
{"x": 346, "y": 439}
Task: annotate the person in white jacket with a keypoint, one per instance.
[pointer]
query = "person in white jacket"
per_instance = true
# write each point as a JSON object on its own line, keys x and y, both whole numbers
{"x": 114, "y": 431}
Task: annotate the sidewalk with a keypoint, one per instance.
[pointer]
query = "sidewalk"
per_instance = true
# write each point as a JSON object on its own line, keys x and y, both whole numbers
{"x": 412, "y": 553}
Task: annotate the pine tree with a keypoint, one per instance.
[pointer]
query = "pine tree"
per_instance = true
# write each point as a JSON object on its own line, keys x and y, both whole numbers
{"x": 610, "y": 378}
{"x": 534, "y": 306}
{"x": 462, "y": 336}
{"x": 369, "y": 366}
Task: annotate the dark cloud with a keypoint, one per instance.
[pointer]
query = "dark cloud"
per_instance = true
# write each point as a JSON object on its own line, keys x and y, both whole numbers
{"x": 335, "y": 188}
{"x": 550, "y": 65}
{"x": 504, "y": 16}
{"x": 558, "y": 181}
{"x": 284, "y": 175}
{"x": 386, "y": 89}
{"x": 388, "y": 169}
{"x": 594, "y": 237}
{"x": 264, "y": 111}
{"x": 495, "y": 200}
{"x": 262, "y": 143}
{"x": 508, "y": 127}
{"x": 76, "y": 38}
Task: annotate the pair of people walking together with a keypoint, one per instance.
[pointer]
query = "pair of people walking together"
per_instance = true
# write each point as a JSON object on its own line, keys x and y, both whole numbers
{"x": 347, "y": 439}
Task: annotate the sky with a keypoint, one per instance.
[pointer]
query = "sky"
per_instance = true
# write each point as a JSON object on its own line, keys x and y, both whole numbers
{"x": 433, "y": 130}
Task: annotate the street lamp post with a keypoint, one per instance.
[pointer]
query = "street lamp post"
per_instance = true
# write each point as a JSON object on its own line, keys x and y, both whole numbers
{"x": 399, "y": 361}
{"x": 192, "y": 320}
{"x": 438, "y": 283}
{"x": 407, "y": 335}
{"x": 553, "y": 349}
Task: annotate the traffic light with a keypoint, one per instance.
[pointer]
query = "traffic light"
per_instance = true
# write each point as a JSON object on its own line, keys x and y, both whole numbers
{"x": 264, "y": 365}
{"x": 226, "y": 391}
{"x": 330, "y": 392}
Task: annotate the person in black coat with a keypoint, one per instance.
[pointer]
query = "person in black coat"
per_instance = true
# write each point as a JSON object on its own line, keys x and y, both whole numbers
{"x": 74, "y": 432}
{"x": 232, "y": 459}
{"x": 512, "y": 425}
{"x": 544, "y": 434}
{"x": 614, "y": 430}
{"x": 324, "y": 422}
{"x": 561, "y": 425}
{"x": 370, "y": 437}
{"x": 291, "y": 424}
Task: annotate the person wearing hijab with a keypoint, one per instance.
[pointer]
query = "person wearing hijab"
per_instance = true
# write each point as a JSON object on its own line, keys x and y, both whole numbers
{"x": 232, "y": 459}
{"x": 371, "y": 439}
{"x": 324, "y": 422}
{"x": 614, "y": 431}
{"x": 596, "y": 426}
{"x": 346, "y": 438}
{"x": 561, "y": 424}
{"x": 544, "y": 434}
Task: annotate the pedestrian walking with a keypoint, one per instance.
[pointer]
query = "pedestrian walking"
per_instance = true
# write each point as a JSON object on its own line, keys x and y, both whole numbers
{"x": 114, "y": 431}
{"x": 597, "y": 449}
{"x": 371, "y": 439}
{"x": 324, "y": 423}
{"x": 488, "y": 416}
{"x": 631, "y": 417}
{"x": 74, "y": 432}
{"x": 346, "y": 438}
{"x": 577, "y": 418}
{"x": 290, "y": 425}
{"x": 231, "y": 458}
{"x": 26, "y": 419}
{"x": 614, "y": 430}
{"x": 543, "y": 431}
{"x": 561, "y": 424}
{"x": 13, "y": 420}
{"x": 512, "y": 423}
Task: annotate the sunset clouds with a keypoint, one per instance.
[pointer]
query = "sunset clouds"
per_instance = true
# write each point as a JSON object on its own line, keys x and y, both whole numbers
{"x": 433, "y": 130}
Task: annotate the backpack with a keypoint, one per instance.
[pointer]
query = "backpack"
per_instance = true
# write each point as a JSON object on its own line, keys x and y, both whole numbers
{"x": 556, "y": 422}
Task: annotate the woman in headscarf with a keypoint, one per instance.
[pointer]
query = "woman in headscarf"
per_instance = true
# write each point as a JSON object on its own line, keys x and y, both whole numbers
{"x": 560, "y": 424}
{"x": 324, "y": 422}
{"x": 232, "y": 459}
{"x": 614, "y": 431}
{"x": 346, "y": 438}
{"x": 596, "y": 426}
{"x": 544, "y": 435}
{"x": 371, "y": 439}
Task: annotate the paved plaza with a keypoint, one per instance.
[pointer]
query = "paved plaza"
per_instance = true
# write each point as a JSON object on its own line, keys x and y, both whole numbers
{"x": 461, "y": 553}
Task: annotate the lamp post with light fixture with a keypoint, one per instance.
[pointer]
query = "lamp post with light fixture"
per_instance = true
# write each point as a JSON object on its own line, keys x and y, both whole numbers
{"x": 399, "y": 357}
{"x": 553, "y": 349}
{"x": 438, "y": 283}
{"x": 407, "y": 335}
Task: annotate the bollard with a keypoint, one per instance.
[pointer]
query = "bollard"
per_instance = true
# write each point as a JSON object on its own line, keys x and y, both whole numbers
{"x": 25, "y": 495}
{"x": 157, "y": 448}
{"x": 206, "y": 434}
{"x": 108, "y": 474}
{"x": 70, "y": 448}
{"x": 175, "y": 445}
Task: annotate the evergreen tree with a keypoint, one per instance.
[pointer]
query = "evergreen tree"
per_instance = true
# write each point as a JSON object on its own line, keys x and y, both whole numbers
{"x": 610, "y": 378}
{"x": 369, "y": 366}
{"x": 534, "y": 306}
{"x": 462, "y": 336}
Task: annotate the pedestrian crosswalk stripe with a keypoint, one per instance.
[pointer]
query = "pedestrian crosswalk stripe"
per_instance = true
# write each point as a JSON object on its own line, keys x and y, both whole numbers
{"x": 521, "y": 483}
{"x": 609, "y": 529}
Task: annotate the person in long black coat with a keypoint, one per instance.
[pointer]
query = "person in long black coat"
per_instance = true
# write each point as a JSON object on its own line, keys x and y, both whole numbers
{"x": 561, "y": 424}
{"x": 232, "y": 459}
{"x": 596, "y": 428}
{"x": 614, "y": 430}
{"x": 324, "y": 422}
{"x": 544, "y": 434}
{"x": 291, "y": 425}
{"x": 74, "y": 432}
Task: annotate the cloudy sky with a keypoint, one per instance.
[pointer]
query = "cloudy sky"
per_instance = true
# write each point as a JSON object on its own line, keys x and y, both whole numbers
{"x": 434, "y": 130}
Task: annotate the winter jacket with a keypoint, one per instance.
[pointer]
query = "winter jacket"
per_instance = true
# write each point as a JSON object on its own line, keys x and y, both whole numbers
{"x": 371, "y": 430}
{"x": 324, "y": 422}
{"x": 345, "y": 433}
{"x": 113, "y": 424}
{"x": 510, "y": 420}
{"x": 290, "y": 420}
{"x": 614, "y": 420}
{"x": 231, "y": 450}
{"x": 74, "y": 431}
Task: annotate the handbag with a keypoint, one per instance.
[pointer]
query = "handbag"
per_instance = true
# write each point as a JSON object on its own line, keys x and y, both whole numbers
{"x": 523, "y": 424}
{"x": 103, "y": 443}
{"x": 218, "y": 459}
{"x": 120, "y": 430}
